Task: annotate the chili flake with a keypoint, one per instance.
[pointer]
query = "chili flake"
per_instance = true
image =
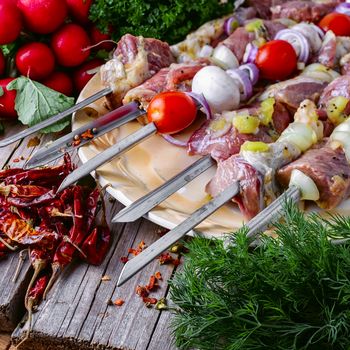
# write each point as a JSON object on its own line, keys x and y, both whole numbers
{"x": 152, "y": 284}
{"x": 87, "y": 135}
{"x": 159, "y": 276}
{"x": 151, "y": 301}
{"x": 124, "y": 259}
{"x": 119, "y": 302}
{"x": 142, "y": 291}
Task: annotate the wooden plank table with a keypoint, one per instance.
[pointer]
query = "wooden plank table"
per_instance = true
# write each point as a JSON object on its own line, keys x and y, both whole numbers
{"x": 77, "y": 313}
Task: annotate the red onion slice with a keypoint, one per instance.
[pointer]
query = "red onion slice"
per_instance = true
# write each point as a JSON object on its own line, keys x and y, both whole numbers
{"x": 319, "y": 31}
{"x": 250, "y": 53}
{"x": 252, "y": 70}
{"x": 297, "y": 40}
{"x": 343, "y": 8}
{"x": 202, "y": 102}
{"x": 245, "y": 85}
{"x": 230, "y": 25}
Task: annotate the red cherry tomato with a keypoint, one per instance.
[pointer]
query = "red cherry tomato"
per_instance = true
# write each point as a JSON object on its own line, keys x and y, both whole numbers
{"x": 43, "y": 16}
{"x": 79, "y": 9}
{"x": 2, "y": 63}
{"x": 81, "y": 75}
{"x": 338, "y": 23}
{"x": 35, "y": 60}
{"x": 60, "y": 82}
{"x": 69, "y": 45}
{"x": 7, "y": 101}
{"x": 97, "y": 37}
{"x": 276, "y": 60}
{"x": 171, "y": 111}
{"x": 10, "y": 22}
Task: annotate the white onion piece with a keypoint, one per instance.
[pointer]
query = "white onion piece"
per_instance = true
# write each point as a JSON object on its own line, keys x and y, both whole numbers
{"x": 218, "y": 88}
{"x": 252, "y": 70}
{"x": 345, "y": 126}
{"x": 306, "y": 185}
{"x": 342, "y": 137}
{"x": 297, "y": 40}
{"x": 301, "y": 135}
{"x": 174, "y": 141}
{"x": 206, "y": 51}
{"x": 242, "y": 79}
{"x": 320, "y": 72}
{"x": 228, "y": 59}
{"x": 311, "y": 34}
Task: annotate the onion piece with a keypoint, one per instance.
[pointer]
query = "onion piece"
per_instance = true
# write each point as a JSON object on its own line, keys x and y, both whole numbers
{"x": 343, "y": 8}
{"x": 200, "y": 99}
{"x": 297, "y": 40}
{"x": 245, "y": 85}
{"x": 311, "y": 34}
{"x": 250, "y": 53}
{"x": 230, "y": 25}
{"x": 345, "y": 126}
{"x": 206, "y": 51}
{"x": 174, "y": 141}
{"x": 306, "y": 185}
{"x": 320, "y": 72}
{"x": 228, "y": 59}
{"x": 252, "y": 70}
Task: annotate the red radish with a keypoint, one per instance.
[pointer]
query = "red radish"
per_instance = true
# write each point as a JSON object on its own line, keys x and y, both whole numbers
{"x": 60, "y": 82}
{"x": 69, "y": 45}
{"x": 43, "y": 16}
{"x": 35, "y": 60}
{"x": 7, "y": 101}
{"x": 79, "y": 9}
{"x": 81, "y": 75}
{"x": 10, "y": 22}
{"x": 2, "y": 63}
{"x": 97, "y": 37}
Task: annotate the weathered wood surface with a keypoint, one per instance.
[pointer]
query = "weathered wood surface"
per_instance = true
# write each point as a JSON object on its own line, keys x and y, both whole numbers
{"x": 76, "y": 314}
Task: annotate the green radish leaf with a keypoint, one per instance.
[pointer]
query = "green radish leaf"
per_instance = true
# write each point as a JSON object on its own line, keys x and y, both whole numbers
{"x": 36, "y": 102}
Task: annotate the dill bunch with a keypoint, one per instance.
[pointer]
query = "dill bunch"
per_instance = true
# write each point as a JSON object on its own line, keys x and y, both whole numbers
{"x": 291, "y": 292}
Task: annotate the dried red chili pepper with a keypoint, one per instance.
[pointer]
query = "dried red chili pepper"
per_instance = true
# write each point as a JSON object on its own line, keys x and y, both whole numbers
{"x": 119, "y": 302}
{"x": 96, "y": 245}
{"x": 124, "y": 259}
{"x": 21, "y": 231}
{"x": 23, "y": 191}
{"x": 29, "y": 202}
{"x": 9, "y": 172}
{"x": 91, "y": 208}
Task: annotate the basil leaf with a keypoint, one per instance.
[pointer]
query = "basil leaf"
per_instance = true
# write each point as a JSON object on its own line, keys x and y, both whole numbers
{"x": 36, "y": 102}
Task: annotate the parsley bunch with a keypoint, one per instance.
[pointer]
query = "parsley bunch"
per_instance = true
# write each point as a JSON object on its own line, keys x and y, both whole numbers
{"x": 292, "y": 292}
{"x": 169, "y": 20}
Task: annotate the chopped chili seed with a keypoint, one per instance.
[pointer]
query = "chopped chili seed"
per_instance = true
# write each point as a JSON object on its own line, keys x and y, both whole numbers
{"x": 159, "y": 276}
{"x": 105, "y": 278}
{"x": 119, "y": 302}
{"x": 142, "y": 291}
{"x": 16, "y": 160}
{"x": 133, "y": 251}
{"x": 141, "y": 245}
{"x": 165, "y": 258}
{"x": 151, "y": 301}
{"x": 76, "y": 143}
{"x": 124, "y": 259}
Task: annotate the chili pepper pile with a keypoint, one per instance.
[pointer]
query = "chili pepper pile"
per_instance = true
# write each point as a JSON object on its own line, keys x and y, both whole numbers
{"x": 55, "y": 227}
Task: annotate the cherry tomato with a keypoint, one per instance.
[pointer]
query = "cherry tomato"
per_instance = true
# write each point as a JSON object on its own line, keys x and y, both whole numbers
{"x": 338, "y": 23}
{"x": 81, "y": 75}
{"x": 79, "y": 9}
{"x": 2, "y": 63}
{"x": 70, "y": 45}
{"x": 43, "y": 16}
{"x": 97, "y": 37}
{"x": 276, "y": 60}
{"x": 10, "y": 23}
{"x": 171, "y": 111}
{"x": 60, "y": 82}
{"x": 7, "y": 101}
{"x": 35, "y": 60}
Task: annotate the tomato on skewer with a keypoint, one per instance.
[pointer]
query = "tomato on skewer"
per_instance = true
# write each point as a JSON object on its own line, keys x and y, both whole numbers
{"x": 338, "y": 23}
{"x": 171, "y": 111}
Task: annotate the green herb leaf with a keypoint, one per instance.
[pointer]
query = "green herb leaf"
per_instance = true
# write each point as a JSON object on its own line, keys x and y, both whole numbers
{"x": 36, "y": 102}
{"x": 1, "y": 91}
{"x": 292, "y": 292}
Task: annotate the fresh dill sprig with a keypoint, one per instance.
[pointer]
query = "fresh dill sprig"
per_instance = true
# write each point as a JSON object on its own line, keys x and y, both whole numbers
{"x": 291, "y": 292}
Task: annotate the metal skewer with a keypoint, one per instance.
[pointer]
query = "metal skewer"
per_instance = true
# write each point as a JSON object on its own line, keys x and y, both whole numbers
{"x": 107, "y": 155}
{"x": 55, "y": 118}
{"x": 143, "y": 205}
{"x": 141, "y": 260}
{"x": 102, "y": 125}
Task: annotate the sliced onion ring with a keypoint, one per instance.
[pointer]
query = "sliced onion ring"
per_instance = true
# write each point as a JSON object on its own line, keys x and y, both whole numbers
{"x": 250, "y": 53}
{"x": 201, "y": 101}
{"x": 230, "y": 25}
{"x": 343, "y": 8}
{"x": 319, "y": 31}
{"x": 252, "y": 70}
{"x": 306, "y": 185}
{"x": 245, "y": 85}
{"x": 297, "y": 40}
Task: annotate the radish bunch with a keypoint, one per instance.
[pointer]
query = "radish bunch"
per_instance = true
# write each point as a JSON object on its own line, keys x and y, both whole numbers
{"x": 50, "y": 41}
